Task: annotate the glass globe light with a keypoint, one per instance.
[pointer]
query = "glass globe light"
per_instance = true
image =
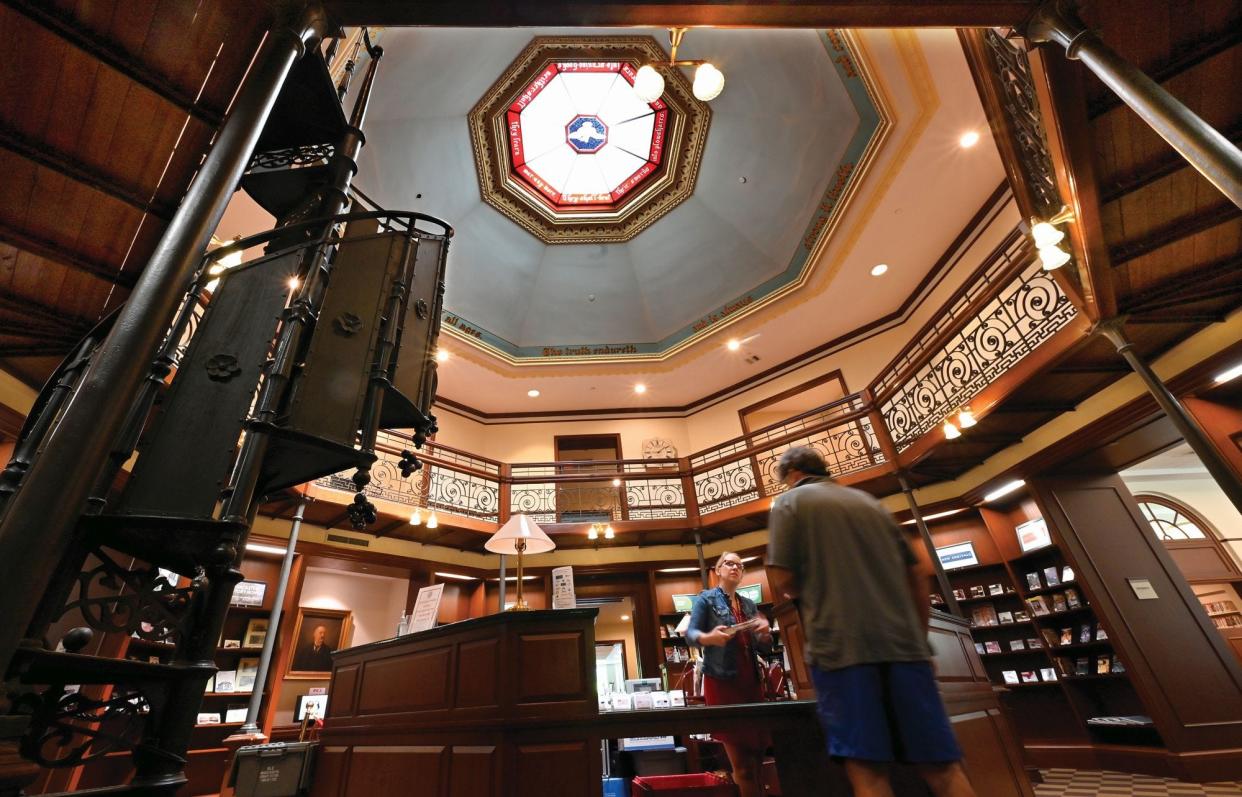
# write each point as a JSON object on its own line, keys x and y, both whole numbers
{"x": 966, "y": 418}
{"x": 416, "y": 519}
{"x": 648, "y": 83}
{"x": 432, "y": 520}
{"x": 951, "y": 432}
{"x": 609, "y": 533}
{"x": 1046, "y": 234}
{"x": 593, "y": 532}
{"x": 1053, "y": 257}
{"x": 708, "y": 82}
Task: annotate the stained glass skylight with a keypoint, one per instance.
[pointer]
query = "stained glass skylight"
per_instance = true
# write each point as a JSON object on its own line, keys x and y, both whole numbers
{"x": 580, "y": 136}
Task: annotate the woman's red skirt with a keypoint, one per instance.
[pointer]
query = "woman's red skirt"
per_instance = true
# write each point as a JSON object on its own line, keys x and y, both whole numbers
{"x": 743, "y": 688}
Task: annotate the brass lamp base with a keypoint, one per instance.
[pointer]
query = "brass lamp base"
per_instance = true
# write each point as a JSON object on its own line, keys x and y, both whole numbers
{"x": 519, "y": 607}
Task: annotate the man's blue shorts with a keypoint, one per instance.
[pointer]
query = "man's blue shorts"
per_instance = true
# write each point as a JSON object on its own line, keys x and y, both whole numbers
{"x": 885, "y": 712}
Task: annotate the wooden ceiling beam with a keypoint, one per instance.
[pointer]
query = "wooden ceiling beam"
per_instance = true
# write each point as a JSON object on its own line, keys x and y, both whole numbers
{"x": 1198, "y": 285}
{"x": 115, "y": 58}
{"x": 674, "y": 13}
{"x": 1171, "y": 163}
{"x": 1090, "y": 368}
{"x": 1028, "y": 407}
{"x": 64, "y": 164}
{"x": 42, "y": 313}
{"x": 1175, "y": 319}
{"x": 58, "y": 254}
{"x": 1176, "y": 230}
{"x": 1187, "y": 58}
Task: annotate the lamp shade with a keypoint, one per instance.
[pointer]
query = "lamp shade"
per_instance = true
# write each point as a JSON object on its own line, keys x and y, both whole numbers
{"x": 648, "y": 83}
{"x": 519, "y": 527}
{"x": 708, "y": 82}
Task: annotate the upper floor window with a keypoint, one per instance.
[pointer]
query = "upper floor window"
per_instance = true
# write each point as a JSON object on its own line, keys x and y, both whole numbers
{"x": 1171, "y": 521}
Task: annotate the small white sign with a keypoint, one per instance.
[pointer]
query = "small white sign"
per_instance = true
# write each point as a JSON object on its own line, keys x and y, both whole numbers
{"x": 677, "y": 697}
{"x": 426, "y": 608}
{"x": 1143, "y": 590}
{"x": 563, "y": 588}
{"x": 621, "y": 701}
{"x": 605, "y": 702}
{"x": 659, "y": 700}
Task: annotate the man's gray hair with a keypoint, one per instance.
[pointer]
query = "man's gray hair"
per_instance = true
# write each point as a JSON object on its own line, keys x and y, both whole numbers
{"x": 803, "y": 458}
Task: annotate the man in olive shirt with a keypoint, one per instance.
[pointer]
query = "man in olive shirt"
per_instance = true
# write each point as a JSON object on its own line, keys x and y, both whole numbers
{"x": 864, "y": 613}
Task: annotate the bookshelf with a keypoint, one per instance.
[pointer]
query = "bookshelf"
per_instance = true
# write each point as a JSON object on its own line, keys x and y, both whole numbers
{"x": 1039, "y": 639}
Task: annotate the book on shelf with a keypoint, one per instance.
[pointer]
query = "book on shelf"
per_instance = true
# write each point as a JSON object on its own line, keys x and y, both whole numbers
{"x": 1052, "y": 575}
{"x": 1071, "y": 598}
{"x": 983, "y": 615}
{"x": 959, "y": 594}
{"x": 1220, "y": 607}
{"x": 980, "y": 649}
{"x": 996, "y": 589}
{"x": 1032, "y": 581}
{"x": 992, "y": 646}
{"x": 1117, "y": 665}
{"x": 977, "y": 591}
{"x": 1227, "y": 621}
{"x": 247, "y": 672}
{"x": 1084, "y": 633}
{"x": 1103, "y": 665}
{"x": 210, "y": 686}
{"x": 1017, "y": 644}
{"x": 1059, "y": 603}
{"x": 1047, "y": 674}
{"x": 1039, "y": 606}
{"x": 211, "y": 718}
{"x": 1029, "y": 677}
{"x": 1134, "y": 720}
{"x": 1010, "y": 676}
{"x": 1032, "y": 643}
{"x": 1005, "y": 618}
{"x": 235, "y": 714}
{"x": 1067, "y": 574}
{"x": 1100, "y": 634}
{"x": 1082, "y": 665}
{"x": 226, "y": 681}
{"x": 1067, "y": 636}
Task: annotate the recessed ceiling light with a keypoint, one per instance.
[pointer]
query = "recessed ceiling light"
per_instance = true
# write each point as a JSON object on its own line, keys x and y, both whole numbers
{"x": 968, "y": 139}
{"x": 533, "y": 393}
{"x": 258, "y": 548}
{"x": 442, "y": 355}
{"x": 678, "y": 570}
{"x": 640, "y": 388}
{"x": 294, "y": 282}
{"x": 879, "y": 269}
{"x": 734, "y": 344}
{"x": 456, "y": 576}
{"x": 625, "y": 617}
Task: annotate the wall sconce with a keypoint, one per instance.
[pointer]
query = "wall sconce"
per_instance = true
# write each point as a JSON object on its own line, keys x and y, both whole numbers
{"x": 593, "y": 532}
{"x": 609, "y": 533}
{"x": 432, "y": 520}
{"x": 951, "y": 432}
{"x": 416, "y": 519}
{"x": 1047, "y": 237}
{"x": 708, "y": 80}
{"x": 965, "y": 418}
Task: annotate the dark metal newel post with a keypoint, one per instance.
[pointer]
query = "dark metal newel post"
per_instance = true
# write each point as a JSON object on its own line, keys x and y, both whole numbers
{"x": 1216, "y": 465}
{"x": 698, "y": 549}
{"x": 251, "y": 725}
{"x": 1203, "y": 146}
{"x": 43, "y": 514}
{"x": 942, "y": 578}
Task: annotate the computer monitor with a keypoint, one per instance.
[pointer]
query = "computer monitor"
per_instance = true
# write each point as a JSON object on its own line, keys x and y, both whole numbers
{"x": 633, "y": 685}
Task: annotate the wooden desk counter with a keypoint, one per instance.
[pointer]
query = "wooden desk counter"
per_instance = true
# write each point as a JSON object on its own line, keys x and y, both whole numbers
{"x": 505, "y": 706}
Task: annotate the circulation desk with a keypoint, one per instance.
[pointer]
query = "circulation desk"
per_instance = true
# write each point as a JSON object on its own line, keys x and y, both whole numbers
{"x": 505, "y": 706}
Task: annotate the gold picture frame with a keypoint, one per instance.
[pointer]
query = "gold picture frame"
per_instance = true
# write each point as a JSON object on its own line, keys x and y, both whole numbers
{"x": 312, "y": 651}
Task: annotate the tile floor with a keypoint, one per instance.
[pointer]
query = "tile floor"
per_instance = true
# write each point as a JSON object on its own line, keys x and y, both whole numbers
{"x": 1090, "y": 783}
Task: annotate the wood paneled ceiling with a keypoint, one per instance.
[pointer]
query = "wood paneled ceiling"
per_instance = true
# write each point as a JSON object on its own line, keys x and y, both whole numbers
{"x": 106, "y": 109}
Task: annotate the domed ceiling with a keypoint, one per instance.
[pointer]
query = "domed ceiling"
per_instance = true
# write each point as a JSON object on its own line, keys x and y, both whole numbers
{"x": 725, "y": 214}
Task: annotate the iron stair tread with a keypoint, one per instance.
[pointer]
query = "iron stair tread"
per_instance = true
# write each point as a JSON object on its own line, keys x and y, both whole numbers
{"x": 33, "y": 666}
{"x": 180, "y": 544}
{"x": 307, "y": 110}
{"x": 280, "y": 190}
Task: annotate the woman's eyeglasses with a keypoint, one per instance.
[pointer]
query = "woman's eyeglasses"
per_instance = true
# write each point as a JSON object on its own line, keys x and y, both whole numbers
{"x": 738, "y": 565}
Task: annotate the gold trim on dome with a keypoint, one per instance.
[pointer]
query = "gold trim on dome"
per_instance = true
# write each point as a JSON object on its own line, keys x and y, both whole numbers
{"x": 671, "y": 184}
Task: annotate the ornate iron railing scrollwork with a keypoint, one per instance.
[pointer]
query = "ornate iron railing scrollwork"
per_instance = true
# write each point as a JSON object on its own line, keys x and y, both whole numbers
{"x": 142, "y": 601}
{"x": 68, "y": 728}
{"x": 308, "y": 155}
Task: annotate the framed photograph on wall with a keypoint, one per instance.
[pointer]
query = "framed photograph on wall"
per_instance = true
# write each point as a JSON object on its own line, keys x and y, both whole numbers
{"x": 256, "y": 632}
{"x": 316, "y": 635}
{"x": 960, "y": 554}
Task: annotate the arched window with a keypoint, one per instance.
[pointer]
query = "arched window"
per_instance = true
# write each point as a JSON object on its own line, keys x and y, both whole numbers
{"x": 1171, "y": 521}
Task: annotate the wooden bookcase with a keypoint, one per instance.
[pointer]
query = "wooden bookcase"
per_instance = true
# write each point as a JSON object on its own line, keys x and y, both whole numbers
{"x": 1058, "y": 705}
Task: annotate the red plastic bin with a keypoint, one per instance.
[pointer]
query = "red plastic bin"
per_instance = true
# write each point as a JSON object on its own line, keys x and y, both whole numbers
{"x": 699, "y": 785}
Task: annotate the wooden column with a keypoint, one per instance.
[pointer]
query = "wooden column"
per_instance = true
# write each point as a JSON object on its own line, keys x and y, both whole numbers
{"x": 1189, "y": 681}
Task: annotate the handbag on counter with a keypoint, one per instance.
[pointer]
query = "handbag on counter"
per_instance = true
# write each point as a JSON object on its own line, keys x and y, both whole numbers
{"x": 772, "y": 679}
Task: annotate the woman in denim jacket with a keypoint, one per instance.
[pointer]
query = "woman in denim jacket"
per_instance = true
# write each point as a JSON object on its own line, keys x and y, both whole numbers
{"x": 729, "y": 672}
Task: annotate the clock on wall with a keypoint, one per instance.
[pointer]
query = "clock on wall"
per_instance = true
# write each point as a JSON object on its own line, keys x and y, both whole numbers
{"x": 659, "y": 448}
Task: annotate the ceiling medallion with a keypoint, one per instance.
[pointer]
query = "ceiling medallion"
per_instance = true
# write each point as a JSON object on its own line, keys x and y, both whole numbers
{"x": 565, "y": 147}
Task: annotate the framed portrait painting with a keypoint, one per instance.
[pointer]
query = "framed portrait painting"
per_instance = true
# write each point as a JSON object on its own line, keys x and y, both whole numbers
{"x": 316, "y": 636}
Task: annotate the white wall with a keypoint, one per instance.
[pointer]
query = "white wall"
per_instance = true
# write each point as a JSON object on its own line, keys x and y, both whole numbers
{"x": 1200, "y": 493}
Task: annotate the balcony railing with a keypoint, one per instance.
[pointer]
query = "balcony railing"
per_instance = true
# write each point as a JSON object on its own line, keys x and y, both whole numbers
{"x": 1007, "y": 309}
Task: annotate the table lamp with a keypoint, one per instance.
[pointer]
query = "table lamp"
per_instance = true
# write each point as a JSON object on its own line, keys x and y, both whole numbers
{"x": 518, "y": 536}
